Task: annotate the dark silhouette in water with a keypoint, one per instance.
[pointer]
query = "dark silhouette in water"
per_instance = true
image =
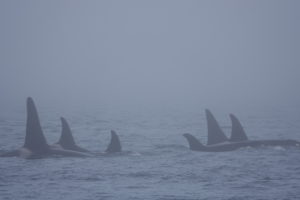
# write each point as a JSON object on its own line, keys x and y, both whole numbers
{"x": 66, "y": 140}
{"x": 218, "y": 142}
{"x": 237, "y": 131}
{"x": 35, "y": 145}
{"x": 115, "y": 145}
{"x": 34, "y": 139}
{"x": 215, "y": 135}
{"x": 196, "y": 145}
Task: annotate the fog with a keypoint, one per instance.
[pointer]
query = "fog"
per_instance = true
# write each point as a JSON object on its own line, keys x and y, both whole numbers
{"x": 149, "y": 53}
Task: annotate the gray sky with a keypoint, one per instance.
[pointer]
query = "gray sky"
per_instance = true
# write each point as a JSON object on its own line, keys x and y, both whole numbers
{"x": 121, "y": 53}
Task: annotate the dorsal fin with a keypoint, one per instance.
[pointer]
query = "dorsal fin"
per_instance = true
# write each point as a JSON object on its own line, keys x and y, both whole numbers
{"x": 66, "y": 139}
{"x": 114, "y": 145}
{"x": 215, "y": 134}
{"x": 194, "y": 143}
{"x": 34, "y": 139}
{"x": 237, "y": 131}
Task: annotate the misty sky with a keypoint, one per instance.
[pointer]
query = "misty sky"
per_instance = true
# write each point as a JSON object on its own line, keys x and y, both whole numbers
{"x": 149, "y": 52}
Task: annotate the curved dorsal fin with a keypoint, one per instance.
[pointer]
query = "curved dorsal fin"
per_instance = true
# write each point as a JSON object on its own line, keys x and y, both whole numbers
{"x": 66, "y": 139}
{"x": 215, "y": 134}
{"x": 237, "y": 131}
{"x": 34, "y": 139}
{"x": 194, "y": 143}
{"x": 114, "y": 145}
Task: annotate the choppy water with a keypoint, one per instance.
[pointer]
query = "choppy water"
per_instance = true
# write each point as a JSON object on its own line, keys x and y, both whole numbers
{"x": 159, "y": 164}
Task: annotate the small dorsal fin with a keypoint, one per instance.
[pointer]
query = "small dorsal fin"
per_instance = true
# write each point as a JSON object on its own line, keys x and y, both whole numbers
{"x": 194, "y": 143}
{"x": 215, "y": 134}
{"x": 34, "y": 139}
{"x": 237, "y": 131}
{"x": 66, "y": 139}
{"x": 114, "y": 145}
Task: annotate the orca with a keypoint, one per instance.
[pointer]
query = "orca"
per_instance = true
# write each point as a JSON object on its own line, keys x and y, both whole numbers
{"x": 196, "y": 145}
{"x": 237, "y": 131}
{"x": 114, "y": 145}
{"x": 215, "y": 135}
{"x": 217, "y": 140}
{"x": 66, "y": 140}
{"x": 35, "y": 145}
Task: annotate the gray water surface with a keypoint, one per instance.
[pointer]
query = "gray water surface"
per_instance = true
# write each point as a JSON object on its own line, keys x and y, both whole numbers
{"x": 157, "y": 163}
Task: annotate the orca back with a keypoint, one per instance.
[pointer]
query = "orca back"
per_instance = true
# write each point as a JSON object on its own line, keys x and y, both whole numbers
{"x": 66, "y": 139}
{"x": 237, "y": 131}
{"x": 194, "y": 143}
{"x": 114, "y": 145}
{"x": 215, "y": 134}
{"x": 35, "y": 140}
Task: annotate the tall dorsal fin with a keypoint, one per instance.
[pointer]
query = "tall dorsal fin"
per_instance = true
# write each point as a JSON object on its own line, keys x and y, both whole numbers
{"x": 194, "y": 143}
{"x": 237, "y": 131}
{"x": 114, "y": 145}
{"x": 215, "y": 134}
{"x": 66, "y": 139}
{"x": 34, "y": 139}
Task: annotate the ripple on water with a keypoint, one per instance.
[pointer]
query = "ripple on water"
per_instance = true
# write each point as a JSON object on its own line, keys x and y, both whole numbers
{"x": 157, "y": 164}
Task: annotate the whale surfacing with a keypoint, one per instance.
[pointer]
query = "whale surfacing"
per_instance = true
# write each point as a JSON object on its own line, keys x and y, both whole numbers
{"x": 114, "y": 145}
{"x": 215, "y": 134}
{"x": 196, "y": 145}
{"x": 66, "y": 140}
{"x": 35, "y": 145}
{"x": 237, "y": 131}
{"x": 218, "y": 142}
{"x": 35, "y": 140}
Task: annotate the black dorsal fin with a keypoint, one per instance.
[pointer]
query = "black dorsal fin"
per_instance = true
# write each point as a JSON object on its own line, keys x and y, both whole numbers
{"x": 34, "y": 139}
{"x": 215, "y": 134}
{"x": 66, "y": 139}
{"x": 114, "y": 145}
{"x": 194, "y": 143}
{"x": 237, "y": 131}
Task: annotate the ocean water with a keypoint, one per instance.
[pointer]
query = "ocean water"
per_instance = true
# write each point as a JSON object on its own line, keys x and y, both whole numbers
{"x": 156, "y": 163}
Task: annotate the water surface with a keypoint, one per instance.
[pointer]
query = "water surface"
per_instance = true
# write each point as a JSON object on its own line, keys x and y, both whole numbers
{"x": 157, "y": 163}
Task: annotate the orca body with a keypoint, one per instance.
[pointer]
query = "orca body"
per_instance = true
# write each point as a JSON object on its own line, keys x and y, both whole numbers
{"x": 35, "y": 145}
{"x": 237, "y": 131}
{"x": 218, "y": 142}
{"x": 66, "y": 140}
{"x": 115, "y": 144}
{"x": 215, "y": 135}
{"x": 196, "y": 145}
